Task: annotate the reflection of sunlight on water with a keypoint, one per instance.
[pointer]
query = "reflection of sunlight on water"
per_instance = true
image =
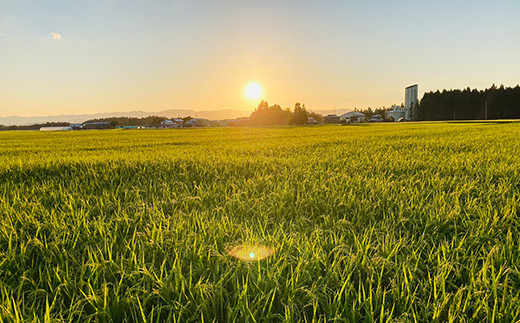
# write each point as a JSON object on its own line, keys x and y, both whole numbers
{"x": 250, "y": 252}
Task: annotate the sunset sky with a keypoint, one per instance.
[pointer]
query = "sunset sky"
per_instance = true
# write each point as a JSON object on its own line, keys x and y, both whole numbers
{"x": 71, "y": 57}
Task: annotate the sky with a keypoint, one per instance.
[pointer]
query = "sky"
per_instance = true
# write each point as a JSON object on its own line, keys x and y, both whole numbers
{"x": 72, "y": 57}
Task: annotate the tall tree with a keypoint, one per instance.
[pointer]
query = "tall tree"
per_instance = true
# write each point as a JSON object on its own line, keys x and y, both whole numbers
{"x": 299, "y": 115}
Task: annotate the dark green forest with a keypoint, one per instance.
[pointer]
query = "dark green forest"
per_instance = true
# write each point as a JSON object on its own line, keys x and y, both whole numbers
{"x": 502, "y": 103}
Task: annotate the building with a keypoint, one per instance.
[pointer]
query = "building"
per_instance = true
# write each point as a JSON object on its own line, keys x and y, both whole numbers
{"x": 55, "y": 128}
{"x": 353, "y": 117}
{"x": 95, "y": 125}
{"x": 167, "y": 123}
{"x": 396, "y": 112}
{"x": 376, "y": 118}
{"x": 311, "y": 120}
{"x": 178, "y": 122}
{"x": 76, "y": 126}
{"x": 331, "y": 118}
{"x": 197, "y": 122}
{"x": 410, "y": 98}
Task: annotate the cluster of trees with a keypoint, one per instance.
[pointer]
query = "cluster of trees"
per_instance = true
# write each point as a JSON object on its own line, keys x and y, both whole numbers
{"x": 130, "y": 121}
{"x": 265, "y": 115}
{"x": 502, "y": 103}
{"x": 369, "y": 112}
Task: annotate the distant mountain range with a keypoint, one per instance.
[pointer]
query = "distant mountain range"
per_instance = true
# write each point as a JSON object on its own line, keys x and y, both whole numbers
{"x": 79, "y": 118}
{"x": 173, "y": 113}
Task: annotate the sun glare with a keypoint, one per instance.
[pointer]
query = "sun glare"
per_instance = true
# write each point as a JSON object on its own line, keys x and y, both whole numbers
{"x": 250, "y": 252}
{"x": 253, "y": 91}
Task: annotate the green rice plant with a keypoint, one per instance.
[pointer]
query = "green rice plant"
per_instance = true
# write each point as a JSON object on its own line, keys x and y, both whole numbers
{"x": 386, "y": 222}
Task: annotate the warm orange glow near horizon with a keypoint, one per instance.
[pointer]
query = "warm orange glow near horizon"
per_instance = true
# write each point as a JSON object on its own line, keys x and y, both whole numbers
{"x": 253, "y": 91}
{"x": 204, "y": 56}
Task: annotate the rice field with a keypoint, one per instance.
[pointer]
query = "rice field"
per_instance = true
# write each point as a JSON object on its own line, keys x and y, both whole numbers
{"x": 383, "y": 222}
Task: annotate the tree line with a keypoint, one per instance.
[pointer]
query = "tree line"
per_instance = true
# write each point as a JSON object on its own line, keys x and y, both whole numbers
{"x": 130, "y": 121}
{"x": 274, "y": 115}
{"x": 493, "y": 103}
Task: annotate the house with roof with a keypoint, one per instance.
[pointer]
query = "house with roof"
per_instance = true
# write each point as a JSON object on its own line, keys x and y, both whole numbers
{"x": 331, "y": 119}
{"x": 353, "y": 117}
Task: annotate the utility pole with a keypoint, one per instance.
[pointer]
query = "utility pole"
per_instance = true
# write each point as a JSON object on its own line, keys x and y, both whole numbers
{"x": 454, "y": 113}
{"x": 486, "y": 110}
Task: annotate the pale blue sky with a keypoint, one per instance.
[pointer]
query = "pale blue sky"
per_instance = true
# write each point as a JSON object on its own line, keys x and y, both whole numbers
{"x": 155, "y": 55}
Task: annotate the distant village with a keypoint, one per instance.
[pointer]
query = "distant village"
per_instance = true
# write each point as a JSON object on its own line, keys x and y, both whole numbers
{"x": 264, "y": 115}
{"x": 350, "y": 117}
{"x": 468, "y": 104}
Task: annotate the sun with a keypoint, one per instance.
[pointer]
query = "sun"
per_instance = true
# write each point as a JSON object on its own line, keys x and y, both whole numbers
{"x": 253, "y": 90}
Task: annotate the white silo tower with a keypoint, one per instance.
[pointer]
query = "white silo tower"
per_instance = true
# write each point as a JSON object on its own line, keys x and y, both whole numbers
{"x": 410, "y": 97}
